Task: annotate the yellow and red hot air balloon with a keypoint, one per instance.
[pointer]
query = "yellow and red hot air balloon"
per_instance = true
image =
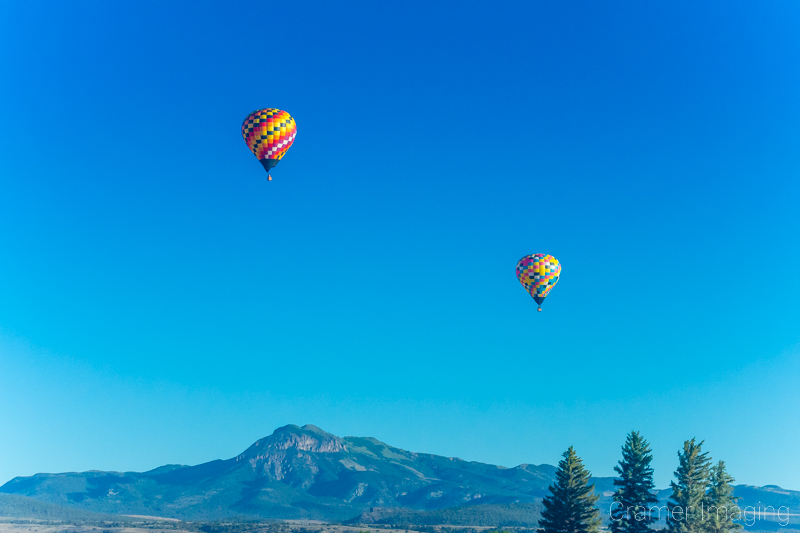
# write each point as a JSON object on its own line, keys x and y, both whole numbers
{"x": 538, "y": 273}
{"x": 269, "y": 133}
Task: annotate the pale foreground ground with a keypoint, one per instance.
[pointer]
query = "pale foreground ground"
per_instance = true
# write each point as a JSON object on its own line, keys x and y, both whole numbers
{"x": 14, "y": 526}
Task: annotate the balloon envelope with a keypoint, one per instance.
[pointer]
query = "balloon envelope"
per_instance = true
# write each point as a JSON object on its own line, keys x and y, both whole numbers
{"x": 538, "y": 273}
{"x": 269, "y": 133}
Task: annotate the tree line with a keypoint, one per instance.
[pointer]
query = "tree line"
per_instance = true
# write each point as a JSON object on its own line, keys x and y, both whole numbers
{"x": 702, "y": 499}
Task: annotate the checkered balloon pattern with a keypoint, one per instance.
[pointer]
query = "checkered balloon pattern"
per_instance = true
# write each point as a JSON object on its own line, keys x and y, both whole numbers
{"x": 538, "y": 273}
{"x": 269, "y": 133}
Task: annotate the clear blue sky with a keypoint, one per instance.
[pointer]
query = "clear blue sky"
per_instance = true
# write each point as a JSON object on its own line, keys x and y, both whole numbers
{"x": 161, "y": 302}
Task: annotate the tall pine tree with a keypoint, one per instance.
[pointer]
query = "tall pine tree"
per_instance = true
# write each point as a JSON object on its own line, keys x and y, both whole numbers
{"x": 688, "y": 500}
{"x": 570, "y": 506}
{"x": 630, "y": 512}
{"x": 721, "y": 505}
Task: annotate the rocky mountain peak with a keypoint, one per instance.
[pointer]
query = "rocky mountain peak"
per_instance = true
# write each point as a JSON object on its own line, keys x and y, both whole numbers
{"x": 308, "y": 438}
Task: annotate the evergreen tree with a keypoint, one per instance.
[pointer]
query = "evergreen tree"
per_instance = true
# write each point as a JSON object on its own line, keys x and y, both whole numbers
{"x": 721, "y": 504}
{"x": 570, "y": 506}
{"x": 687, "y": 502}
{"x": 630, "y": 512}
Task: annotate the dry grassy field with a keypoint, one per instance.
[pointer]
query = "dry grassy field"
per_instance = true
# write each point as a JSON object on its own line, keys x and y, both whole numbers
{"x": 151, "y": 524}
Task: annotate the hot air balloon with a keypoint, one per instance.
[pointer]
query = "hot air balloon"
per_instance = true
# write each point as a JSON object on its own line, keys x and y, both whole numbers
{"x": 538, "y": 273}
{"x": 269, "y": 133}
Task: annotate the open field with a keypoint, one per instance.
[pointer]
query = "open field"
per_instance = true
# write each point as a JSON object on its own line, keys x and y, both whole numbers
{"x": 16, "y": 525}
{"x": 154, "y": 524}
{"x": 159, "y": 525}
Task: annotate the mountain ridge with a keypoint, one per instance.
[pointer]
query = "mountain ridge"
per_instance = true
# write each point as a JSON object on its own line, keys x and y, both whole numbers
{"x": 307, "y": 473}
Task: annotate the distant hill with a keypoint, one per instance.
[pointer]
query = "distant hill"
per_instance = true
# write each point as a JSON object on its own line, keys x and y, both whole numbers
{"x": 16, "y": 506}
{"x": 307, "y": 473}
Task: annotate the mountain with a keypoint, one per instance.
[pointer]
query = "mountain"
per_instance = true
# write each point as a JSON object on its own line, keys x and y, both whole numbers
{"x": 305, "y": 472}
{"x": 294, "y": 473}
